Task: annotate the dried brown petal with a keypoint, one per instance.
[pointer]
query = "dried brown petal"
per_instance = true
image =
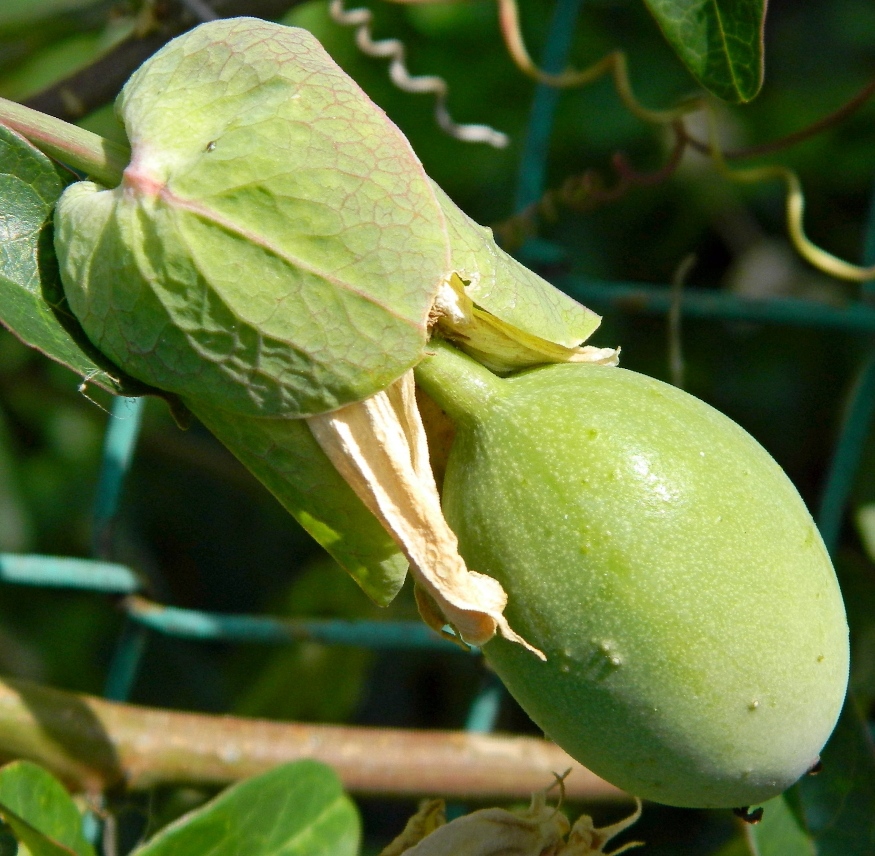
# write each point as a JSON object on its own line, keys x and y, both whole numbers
{"x": 378, "y": 445}
{"x": 430, "y": 816}
{"x": 537, "y": 831}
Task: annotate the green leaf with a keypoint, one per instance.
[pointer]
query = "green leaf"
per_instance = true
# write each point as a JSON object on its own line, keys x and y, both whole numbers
{"x": 780, "y": 832}
{"x": 275, "y": 248}
{"x": 719, "y": 41}
{"x": 40, "y": 812}
{"x": 273, "y": 680}
{"x": 32, "y": 304}
{"x": 17, "y": 13}
{"x": 839, "y": 803}
{"x": 297, "y": 809}
{"x": 285, "y": 457}
{"x": 832, "y": 813}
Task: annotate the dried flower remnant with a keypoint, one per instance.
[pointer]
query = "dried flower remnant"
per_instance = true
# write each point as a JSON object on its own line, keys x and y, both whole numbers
{"x": 539, "y": 830}
{"x": 498, "y": 345}
{"x": 378, "y": 445}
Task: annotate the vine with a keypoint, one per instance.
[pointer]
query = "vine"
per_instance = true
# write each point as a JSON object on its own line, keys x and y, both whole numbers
{"x": 589, "y": 189}
{"x": 394, "y": 50}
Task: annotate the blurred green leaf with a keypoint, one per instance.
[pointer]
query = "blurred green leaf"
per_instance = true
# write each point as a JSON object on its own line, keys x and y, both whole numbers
{"x": 58, "y": 50}
{"x": 285, "y": 457}
{"x": 719, "y": 41}
{"x": 42, "y": 68}
{"x": 40, "y": 812}
{"x": 275, "y": 683}
{"x": 297, "y": 809}
{"x": 839, "y": 803}
{"x": 780, "y": 832}
{"x": 16, "y": 13}
{"x": 736, "y": 847}
{"x": 865, "y": 520}
{"x": 15, "y": 529}
{"x": 31, "y": 299}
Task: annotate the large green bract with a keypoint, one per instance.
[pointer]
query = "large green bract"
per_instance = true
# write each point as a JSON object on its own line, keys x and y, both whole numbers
{"x": 697, "y": 650}
{"x": 274, "y": 251}
{"x": 275, "y": 247}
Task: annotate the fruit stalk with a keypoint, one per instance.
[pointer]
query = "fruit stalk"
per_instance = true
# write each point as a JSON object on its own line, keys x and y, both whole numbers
{"x": 457, "y": 383}
{"x": 100, "y": 158}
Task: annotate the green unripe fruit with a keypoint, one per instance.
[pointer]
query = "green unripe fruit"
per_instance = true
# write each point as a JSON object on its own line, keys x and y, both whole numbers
{"x": 696, "y": 642}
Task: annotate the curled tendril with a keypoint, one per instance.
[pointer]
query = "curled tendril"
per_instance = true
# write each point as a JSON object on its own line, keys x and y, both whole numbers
{"x": 795, "y": 210}
{"x": 588, "y": 190}
{"x": 614, "y": 64}
{"x": 394, "y": 49}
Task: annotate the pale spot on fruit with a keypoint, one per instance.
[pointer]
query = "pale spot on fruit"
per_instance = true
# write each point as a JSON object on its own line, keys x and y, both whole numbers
{"x": 641, "y": 467}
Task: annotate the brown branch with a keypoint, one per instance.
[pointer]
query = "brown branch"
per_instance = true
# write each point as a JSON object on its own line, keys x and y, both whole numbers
{"x": 588, "y": 190}
{"x": 93, "y": 745}
{"x": 836, "y": 117}
{"x": 99, "y": 83}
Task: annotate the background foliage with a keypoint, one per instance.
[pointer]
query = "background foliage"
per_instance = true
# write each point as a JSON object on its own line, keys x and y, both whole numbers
{"x": 209, "y": 537}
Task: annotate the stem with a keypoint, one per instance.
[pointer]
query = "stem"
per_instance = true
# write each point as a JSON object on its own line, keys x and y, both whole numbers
{"x": 100, "y": 159}
{"x": 459, "y": 385}
{"x": 830, "y": 120}
{"x": 93, "y": 745}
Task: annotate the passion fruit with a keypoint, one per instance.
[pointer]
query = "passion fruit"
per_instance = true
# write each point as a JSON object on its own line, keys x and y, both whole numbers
{"x": 695, "y": 636}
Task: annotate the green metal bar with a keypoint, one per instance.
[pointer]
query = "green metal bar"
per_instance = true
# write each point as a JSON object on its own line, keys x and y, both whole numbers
{"x": 125, "y": 661}
{"x": 376, "y": 635}
{"x": 642, "y": 298}
{"x": 62, "y": 572}
{"x": 111, "y": 578}
{"x": 533, "y": 164}
{"x": 120, "y": 440}
{"x": 484, "y": 710}
{"x": 856, "y": 426}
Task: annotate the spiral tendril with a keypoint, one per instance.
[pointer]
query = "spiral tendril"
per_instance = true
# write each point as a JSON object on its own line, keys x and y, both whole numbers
{"x": 394, "y": 50}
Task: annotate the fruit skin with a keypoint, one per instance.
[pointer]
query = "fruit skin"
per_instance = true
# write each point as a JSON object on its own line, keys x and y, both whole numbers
{"x": 696, "y": 641}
